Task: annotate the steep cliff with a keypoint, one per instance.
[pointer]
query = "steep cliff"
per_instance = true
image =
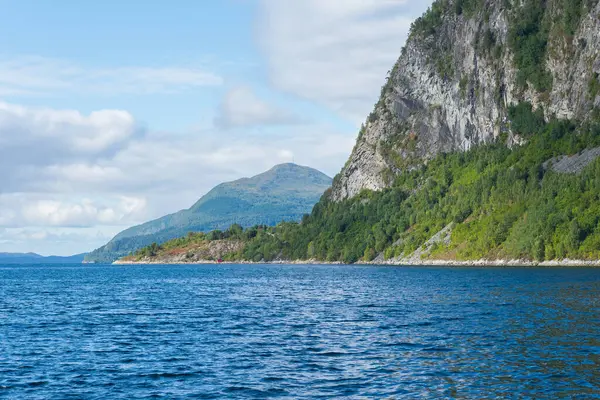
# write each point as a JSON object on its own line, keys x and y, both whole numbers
{"x": 484, "y": 147}
{"x": 466, "y": 66}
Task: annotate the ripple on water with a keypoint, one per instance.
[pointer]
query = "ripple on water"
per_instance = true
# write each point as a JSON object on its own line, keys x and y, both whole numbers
{"x": 297, "y": 332}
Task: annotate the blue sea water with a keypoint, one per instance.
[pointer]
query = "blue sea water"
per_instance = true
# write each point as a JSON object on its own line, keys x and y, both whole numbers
{"x": 298, "y": 332}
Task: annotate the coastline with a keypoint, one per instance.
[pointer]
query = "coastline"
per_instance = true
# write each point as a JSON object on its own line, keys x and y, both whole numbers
{"x": 401, "y": 263}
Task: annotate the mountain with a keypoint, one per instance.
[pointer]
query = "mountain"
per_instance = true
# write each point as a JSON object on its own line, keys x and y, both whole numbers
{"x": 33, "y": 258}
{"x": 464, "y": 65}
{"x": 484, "y": 145}
{"x": 285, "y": 192}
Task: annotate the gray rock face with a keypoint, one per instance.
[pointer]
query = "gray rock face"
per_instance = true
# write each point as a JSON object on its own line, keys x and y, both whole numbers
{"x": 448, "y": 92}
{"x": 442, "y": 237}
{"x": 573, "y": 164}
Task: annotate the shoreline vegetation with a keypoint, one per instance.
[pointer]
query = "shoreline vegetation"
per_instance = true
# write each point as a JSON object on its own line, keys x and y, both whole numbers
{"x": 528, "y": 195}
{"x": 424, "y": 263}
{"x": 491, "y": 205}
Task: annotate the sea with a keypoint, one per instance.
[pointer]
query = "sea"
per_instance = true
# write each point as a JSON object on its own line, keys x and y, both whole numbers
{"x": 298, "y": 332}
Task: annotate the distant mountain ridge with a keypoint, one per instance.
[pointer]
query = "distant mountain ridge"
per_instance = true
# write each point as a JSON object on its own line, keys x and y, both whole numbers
{"x": 33, "y": 258}
{"x": 285, "y": 192}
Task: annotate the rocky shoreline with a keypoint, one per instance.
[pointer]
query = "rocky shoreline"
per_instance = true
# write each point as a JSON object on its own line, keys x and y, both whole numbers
{"x": 411, "y": 263}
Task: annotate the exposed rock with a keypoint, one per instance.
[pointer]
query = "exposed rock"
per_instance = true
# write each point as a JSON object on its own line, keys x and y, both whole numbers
{"x": 447, "y": 92}
{"x": 442, "y": 237}
{"x": 198, "y": 252}
{"x": 573, "y": 164}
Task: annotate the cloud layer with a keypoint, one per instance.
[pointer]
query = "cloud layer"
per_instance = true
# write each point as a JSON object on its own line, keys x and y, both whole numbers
{"x": 72, "y": 180}
{"x": 35, "y": 75}
{"x": 65, "y": 170}
{"x": 242, "y": 108}
{"x": 334, "y": 52}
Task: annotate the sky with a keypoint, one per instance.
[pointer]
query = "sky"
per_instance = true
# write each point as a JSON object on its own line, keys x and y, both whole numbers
{"x": 113, "y": 113}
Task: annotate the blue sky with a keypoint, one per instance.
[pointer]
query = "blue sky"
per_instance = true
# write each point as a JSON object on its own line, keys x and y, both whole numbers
{"x": 115, "y": 112}
{"x": 209, "y": 35}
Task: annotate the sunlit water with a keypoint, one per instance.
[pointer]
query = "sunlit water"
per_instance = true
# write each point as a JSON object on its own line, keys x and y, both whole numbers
{"x": 298, "y": 332}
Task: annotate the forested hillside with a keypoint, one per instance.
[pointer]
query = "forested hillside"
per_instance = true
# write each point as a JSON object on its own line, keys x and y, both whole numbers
{"x": 484, "y": 144}
{"x": 500, "y": 203}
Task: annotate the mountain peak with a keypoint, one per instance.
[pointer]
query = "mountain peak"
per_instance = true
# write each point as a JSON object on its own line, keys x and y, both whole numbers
{"x": 287, "y": 165}
{"x": 284, "y": 192}
{"x": 282, "y": 179}
{"x": 290, "y": 166}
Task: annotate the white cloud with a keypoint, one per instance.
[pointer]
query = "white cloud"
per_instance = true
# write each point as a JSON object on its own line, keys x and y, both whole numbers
{"x": 83, "y": 172}
{"x": 242, "y": 108}
{"x": 40, "y": 76}
{"x": 92, "y": 133}
{"x": 335, "y": 52}
{"x": 33, "y": 140}
{"x": 160, "y": 164}
{"x": 62, "y": 169}
{"x": 54, "y": 210}
{"x": 70, "y": 181}
{"x": 84, "y": 213}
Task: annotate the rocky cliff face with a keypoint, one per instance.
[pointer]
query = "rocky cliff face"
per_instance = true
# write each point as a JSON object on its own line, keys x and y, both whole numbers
{"x": 465, "y": 64}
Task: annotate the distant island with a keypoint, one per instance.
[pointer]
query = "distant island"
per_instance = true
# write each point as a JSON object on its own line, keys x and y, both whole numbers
{"x": 483, "y": 147}
{"x": 284, "y": 193}
{"x": 34, "y": 258}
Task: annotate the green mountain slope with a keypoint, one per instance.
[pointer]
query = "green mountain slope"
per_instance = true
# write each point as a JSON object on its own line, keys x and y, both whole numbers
{"x": 495, "y": 203}
{"x": 284, "y": 193}
{"x": 528, "y": 203}
{"x": 484, "y": 144}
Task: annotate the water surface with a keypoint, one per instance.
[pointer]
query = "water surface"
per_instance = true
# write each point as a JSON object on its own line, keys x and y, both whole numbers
{"x": 298, "y": 332}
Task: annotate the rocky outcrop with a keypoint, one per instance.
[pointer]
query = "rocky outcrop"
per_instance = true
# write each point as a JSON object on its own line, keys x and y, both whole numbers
{"x": 204, "y": 251}
{"x": 573, "y": 164}
{"x": 452, "y": 87}
{"x": 440, "y": 238}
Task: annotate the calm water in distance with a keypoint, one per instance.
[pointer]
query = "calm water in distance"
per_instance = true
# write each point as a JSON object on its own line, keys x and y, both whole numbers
{"x": 298, "y": 332}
